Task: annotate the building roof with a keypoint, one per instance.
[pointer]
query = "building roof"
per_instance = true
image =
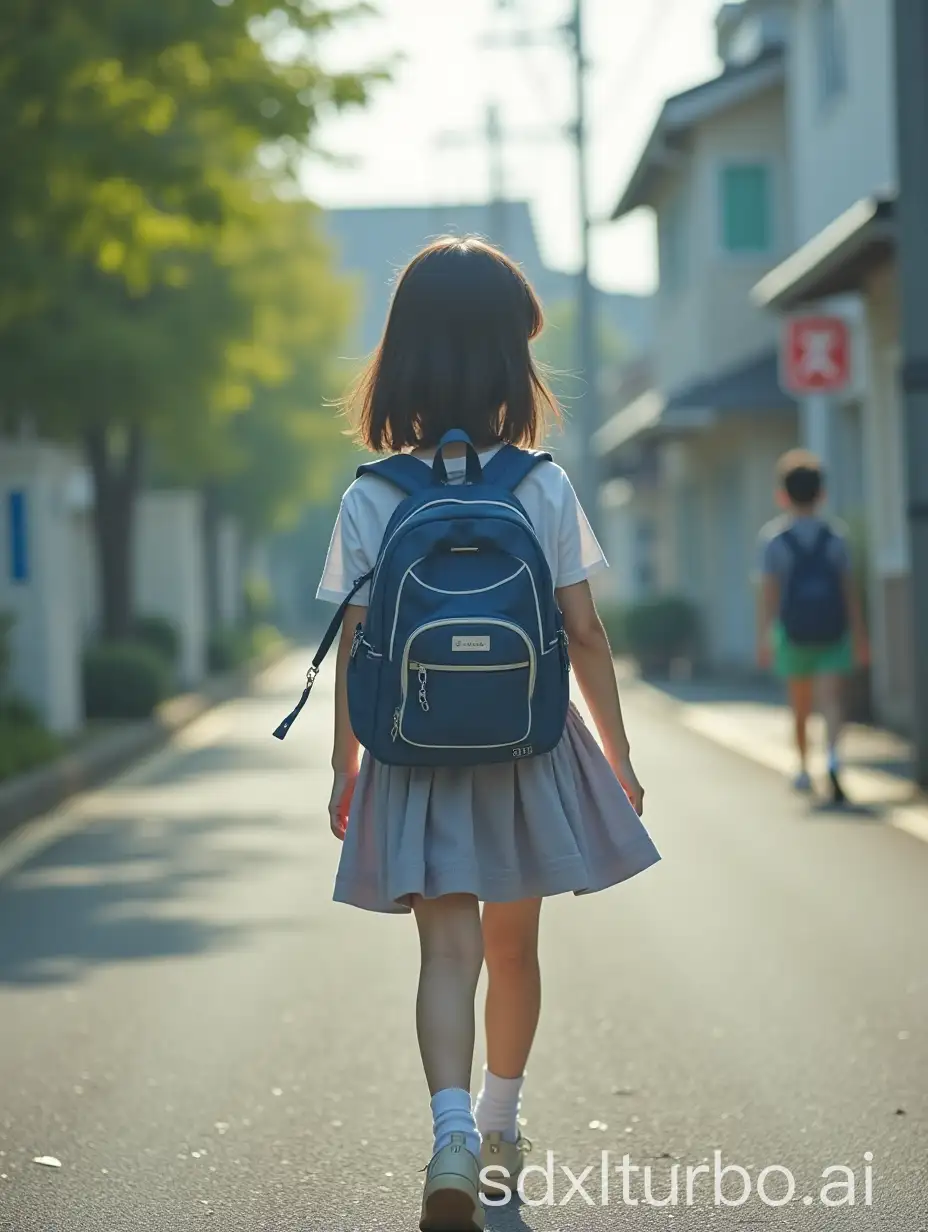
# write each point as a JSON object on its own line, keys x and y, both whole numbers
{"x": 750, "y": 388}
{"x": 836, "y": 260}
{"x": 374, "y": 243}
{"x": 680, "y": 113}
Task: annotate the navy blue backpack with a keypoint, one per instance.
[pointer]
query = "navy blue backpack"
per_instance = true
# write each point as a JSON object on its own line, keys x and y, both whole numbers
{"x": 813, "y": 608}
{"x": 463, "y": 657}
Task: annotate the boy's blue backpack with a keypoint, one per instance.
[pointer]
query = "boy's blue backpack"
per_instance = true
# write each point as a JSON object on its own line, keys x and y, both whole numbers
{"x": 813, "y": 608}
{"x": 463, "y": 658}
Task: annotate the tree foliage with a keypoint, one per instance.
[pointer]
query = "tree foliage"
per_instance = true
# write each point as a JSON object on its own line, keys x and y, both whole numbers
{"x": 159, "y": 289}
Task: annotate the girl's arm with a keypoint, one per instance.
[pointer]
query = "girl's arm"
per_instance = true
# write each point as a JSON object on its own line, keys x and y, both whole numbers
{"x": 591, "y": 659}
{"x": 345, "y": 747}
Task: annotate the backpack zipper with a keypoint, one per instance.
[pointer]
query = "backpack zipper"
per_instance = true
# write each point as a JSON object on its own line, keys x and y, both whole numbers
{"x": 438, "y": 624}
{"x": 423, "y": 670}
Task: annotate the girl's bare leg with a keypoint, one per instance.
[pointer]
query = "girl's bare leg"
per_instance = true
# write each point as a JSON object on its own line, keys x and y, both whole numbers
{"x": 451, "y": 946}
{"x": 510, "y": 941}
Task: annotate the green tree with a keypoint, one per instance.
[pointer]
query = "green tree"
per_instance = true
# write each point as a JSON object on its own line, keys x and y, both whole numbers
{"x": 137, "y": 133}
{"x": 557, "y": 349}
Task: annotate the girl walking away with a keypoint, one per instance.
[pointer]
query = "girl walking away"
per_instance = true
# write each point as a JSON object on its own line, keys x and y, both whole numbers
{"x": 461, "y": 567}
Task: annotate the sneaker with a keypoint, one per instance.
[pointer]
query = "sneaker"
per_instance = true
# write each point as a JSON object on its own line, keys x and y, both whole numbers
{"x": 802, "y": 782}
{"x": 505, "y": 1161}
{"x": 451, "y": 1199}
{"x": 837, "y": 791}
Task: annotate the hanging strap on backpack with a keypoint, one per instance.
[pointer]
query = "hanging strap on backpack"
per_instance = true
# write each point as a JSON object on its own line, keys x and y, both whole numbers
{"x": 410, "y": 475}
{"x": 324, "y": 647}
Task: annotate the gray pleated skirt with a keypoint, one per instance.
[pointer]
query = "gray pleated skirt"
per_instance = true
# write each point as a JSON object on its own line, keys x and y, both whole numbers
{"x": 553, "y": 824}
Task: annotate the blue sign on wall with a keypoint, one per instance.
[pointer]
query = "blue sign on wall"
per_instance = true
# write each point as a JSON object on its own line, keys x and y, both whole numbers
{"x": 19, "y": 538}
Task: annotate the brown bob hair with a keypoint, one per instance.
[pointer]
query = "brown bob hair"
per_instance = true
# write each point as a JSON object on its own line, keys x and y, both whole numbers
{"x": 455, "y": 354}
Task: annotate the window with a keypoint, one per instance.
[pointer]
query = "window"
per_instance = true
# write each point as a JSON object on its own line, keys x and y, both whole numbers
{"x": 672, "y": 240}
{"x": 746, "y": 209}
{"x": 830, "y": 50}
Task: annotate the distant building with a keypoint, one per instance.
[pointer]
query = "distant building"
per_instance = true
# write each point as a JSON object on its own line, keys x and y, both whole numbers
{"x": 374, "y": 243}
{"x": 691, "y": 459}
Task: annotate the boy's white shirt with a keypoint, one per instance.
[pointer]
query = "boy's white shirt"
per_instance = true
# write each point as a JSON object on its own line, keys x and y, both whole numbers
{"x": 547, "y": 495}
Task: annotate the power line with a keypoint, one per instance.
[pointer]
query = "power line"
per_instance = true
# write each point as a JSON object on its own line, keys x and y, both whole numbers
{"x": 640, "y": 57}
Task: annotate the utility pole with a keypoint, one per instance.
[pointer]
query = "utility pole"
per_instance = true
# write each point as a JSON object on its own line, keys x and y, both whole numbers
{"x": 496, "y": 152}
{"x": 493, "y": 139}
{"x": 587, "y": 415}
{"x": 911, "y": 20}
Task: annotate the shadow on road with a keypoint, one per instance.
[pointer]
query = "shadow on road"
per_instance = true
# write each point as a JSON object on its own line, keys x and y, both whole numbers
{"x": 131, "y": 887}
{"x": 506, "y": 1218}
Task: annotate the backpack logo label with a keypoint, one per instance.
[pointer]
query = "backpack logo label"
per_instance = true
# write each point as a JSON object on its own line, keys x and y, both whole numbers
{"x": 524, "y": 750}
{"x": 470, "y": 645}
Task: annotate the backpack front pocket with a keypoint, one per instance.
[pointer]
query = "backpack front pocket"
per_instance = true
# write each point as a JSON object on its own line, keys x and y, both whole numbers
{"x": 467, "y": 685}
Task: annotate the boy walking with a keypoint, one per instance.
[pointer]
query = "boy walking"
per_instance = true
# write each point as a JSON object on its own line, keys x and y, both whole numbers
{"x": 810, "y": 626}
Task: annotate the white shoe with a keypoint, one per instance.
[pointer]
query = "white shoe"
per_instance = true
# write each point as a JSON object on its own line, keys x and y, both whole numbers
{"x": 503, "y": 1161}
{"x": 802, "y": 782}
{"x": 451, "y": 1199}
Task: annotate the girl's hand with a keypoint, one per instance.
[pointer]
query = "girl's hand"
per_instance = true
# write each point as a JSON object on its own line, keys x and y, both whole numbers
{"x": 625, "y": 773}
{"x": 340, "y": 801}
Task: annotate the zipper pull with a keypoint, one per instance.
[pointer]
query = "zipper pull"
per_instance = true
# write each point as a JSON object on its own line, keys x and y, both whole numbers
{"x": 396, "y": 725}
{"x": 423, "y": 698}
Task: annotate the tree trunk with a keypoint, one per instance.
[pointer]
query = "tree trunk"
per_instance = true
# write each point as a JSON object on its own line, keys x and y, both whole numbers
{"x": 211, "y": 555}
{"x": 116, "y": 465}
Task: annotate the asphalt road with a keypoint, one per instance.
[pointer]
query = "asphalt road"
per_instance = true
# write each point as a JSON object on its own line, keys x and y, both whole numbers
{"x": 203, "y": 1040}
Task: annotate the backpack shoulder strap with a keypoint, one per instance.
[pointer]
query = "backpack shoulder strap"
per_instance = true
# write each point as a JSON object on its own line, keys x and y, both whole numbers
{"x": 511, "y": 465}
{"x": 409, "y": 474}
{"x": 816, "y": 549}
{"x": 823, "y": 540}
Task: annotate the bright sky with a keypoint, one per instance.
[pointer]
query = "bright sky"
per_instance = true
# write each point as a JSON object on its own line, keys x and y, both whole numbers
{"x": 640, "y": 51}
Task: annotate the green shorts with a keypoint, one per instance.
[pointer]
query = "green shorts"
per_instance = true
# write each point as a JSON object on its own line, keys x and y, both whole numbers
{"x": 790, "y": 660}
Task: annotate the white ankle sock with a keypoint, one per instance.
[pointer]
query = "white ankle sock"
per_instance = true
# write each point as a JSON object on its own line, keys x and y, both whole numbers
{"x": 497, "y": 1107}
{"x": 452, "y": 1114}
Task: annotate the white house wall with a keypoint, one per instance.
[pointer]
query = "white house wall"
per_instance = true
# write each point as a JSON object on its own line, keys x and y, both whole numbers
{"x": 705, "y": 321}
{"x": 754, "y": 133}
{"x": 721, "y": 497}
{"x": 681, "y": 306}
{"x": 843, "y": 149}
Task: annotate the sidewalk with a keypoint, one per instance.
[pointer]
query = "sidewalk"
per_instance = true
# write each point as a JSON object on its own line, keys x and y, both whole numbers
{"x": 754, "y": 721}
{"x": 110, "y": 751}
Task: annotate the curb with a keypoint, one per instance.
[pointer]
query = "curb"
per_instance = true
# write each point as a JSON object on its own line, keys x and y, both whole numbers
{"x": 897, "y": 801}
{"x": 29, "y": 795}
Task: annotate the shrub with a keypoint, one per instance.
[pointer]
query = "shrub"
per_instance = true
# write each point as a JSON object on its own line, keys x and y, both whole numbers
{"x": 159, "y": 633}
{"x": 124, "y": 680}
{"x": 257, "y": 601}
{"x": 24, "y": 746}
{"x": 6, "y": 651}
{"x": 24, "y": 742}
{"x": 14, "y": 710}
{"x": 614, "y": 618}
{"x": 263, "y": 639}
{"x": 661, "y": 630}
{"x": 227, "y": 648}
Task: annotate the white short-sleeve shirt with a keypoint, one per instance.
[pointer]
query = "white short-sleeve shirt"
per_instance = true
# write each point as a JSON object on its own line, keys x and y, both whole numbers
{"x": 547, "y": 495}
